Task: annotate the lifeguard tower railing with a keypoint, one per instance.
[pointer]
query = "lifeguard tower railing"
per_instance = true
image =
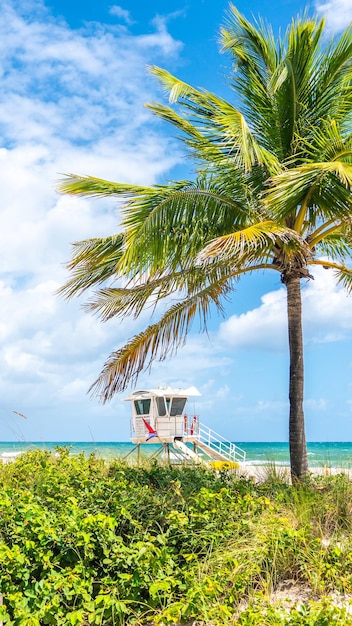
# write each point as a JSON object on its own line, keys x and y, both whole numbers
{"x": 205, "y": 440}
{"x": 162, "y": 425}
{"x": 218, "y": 446}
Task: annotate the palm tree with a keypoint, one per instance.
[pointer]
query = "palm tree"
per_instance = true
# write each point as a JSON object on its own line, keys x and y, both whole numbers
{"x": 273, "y": 192}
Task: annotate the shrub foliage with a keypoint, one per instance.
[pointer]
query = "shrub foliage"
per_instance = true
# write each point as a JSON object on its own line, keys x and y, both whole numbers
{"x": 85, "y": 542}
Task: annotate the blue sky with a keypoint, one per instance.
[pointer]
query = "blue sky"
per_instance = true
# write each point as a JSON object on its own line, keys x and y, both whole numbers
{"x": 73, "y": 85}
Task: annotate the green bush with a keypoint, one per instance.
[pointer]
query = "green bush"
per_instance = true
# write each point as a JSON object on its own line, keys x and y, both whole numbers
{"x": 86, "y": 542}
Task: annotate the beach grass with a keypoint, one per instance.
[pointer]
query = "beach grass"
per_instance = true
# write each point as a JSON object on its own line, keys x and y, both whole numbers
{"x": 84, "y": 541}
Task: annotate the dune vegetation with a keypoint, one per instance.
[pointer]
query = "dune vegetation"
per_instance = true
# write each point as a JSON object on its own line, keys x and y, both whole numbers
{"x": 83, "y": 541}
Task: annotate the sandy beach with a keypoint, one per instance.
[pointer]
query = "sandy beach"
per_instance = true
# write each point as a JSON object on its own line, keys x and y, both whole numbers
{"x": 259, "y": 473}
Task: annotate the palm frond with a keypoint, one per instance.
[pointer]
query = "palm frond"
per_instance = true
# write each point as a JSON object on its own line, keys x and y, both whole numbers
{"x": 93, "y": 262}
{"x": 156, "y": 342}
{"x": 244, "y": 243}
{"x": 176, "y": 89}
{"x": 121, "y": 301}
{"x": 326, "y": 185}
{"x": 230, "y": 127}
{"x": 133, "y": 299}
{"x": 175, "y": 222}
{"x": 343, "y": 274}
{"x": 199, "y": 146}
{"x": 296, "y": 96}
{"x": 90, "y": 186}
{"x": 273, "y": 77}
{"x": 344, "y": 277}
{"x": 249, "y": 44}
{"x": 212, "y": 124}
{"x": 328, "y": 142}
{"x": 331, "y": 81}
{"x": 327, "y": 234}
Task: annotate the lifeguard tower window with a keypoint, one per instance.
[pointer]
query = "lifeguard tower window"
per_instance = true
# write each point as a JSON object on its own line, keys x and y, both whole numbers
{"x": 177, "y": 406}
{"x": 161, "y": 407}
{"x": 142, "y": 407}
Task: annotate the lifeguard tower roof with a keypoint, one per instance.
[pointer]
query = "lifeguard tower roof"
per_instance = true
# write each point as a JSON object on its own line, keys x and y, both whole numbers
{"x": 163, "y": 391}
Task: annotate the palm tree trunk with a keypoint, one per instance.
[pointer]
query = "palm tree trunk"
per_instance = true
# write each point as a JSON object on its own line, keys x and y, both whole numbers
{"x": 297, "y": 437}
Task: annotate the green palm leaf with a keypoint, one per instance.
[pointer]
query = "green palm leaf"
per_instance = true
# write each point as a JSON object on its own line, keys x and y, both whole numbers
{"x": 342, "y": 273}
{"x": 344, "y": 276}
{"x": 243, "y": 243}
{"x": 335, "y": 246}
{"x": 226, "y": 131}
{"x": 157, "y": 341}
{"x": 93, "y": 262}
{"x": 168, "y": 218}
{"x": 132, "y": 299}
{"x": 91, "y": 186}
{"x": 327, "y": 185}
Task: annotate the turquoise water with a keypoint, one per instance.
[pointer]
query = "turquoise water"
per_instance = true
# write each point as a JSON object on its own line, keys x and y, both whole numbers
{"x": 334, "y": 454}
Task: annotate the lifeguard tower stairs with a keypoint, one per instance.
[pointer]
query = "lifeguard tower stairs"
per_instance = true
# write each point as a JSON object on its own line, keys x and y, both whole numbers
{"x": 159, "y": 417}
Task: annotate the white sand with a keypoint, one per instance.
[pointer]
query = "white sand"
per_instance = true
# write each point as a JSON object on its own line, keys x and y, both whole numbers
{"x": 261, "y": 472}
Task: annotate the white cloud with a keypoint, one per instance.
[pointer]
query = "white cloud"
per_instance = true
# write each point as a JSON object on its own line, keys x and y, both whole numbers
{"x": 326, "y": 317}
{"x": 262, "y": 407}
{"x": 316, "y": 404}
{"x": 261, "y": 328}
{"x": 223, "y": 392}
{"x": 122, "y": 13}
{"x": 70, "y": 101}
{"x": 194, "y": 360}
{"x": 338, "y": 13}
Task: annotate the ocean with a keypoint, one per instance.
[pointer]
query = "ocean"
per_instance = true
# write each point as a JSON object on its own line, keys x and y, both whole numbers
{"x": 331, "y": 453}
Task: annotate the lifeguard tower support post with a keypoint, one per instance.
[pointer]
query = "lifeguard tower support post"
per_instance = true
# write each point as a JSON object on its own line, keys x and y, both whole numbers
{"x": 159, "y": 416}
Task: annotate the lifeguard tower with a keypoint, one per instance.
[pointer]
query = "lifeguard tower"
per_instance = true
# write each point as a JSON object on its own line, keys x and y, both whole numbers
{"x": 159, "y": 416}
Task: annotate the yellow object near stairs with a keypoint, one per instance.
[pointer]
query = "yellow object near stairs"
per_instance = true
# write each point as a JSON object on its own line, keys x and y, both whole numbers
{"x": 224, "y": 465}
